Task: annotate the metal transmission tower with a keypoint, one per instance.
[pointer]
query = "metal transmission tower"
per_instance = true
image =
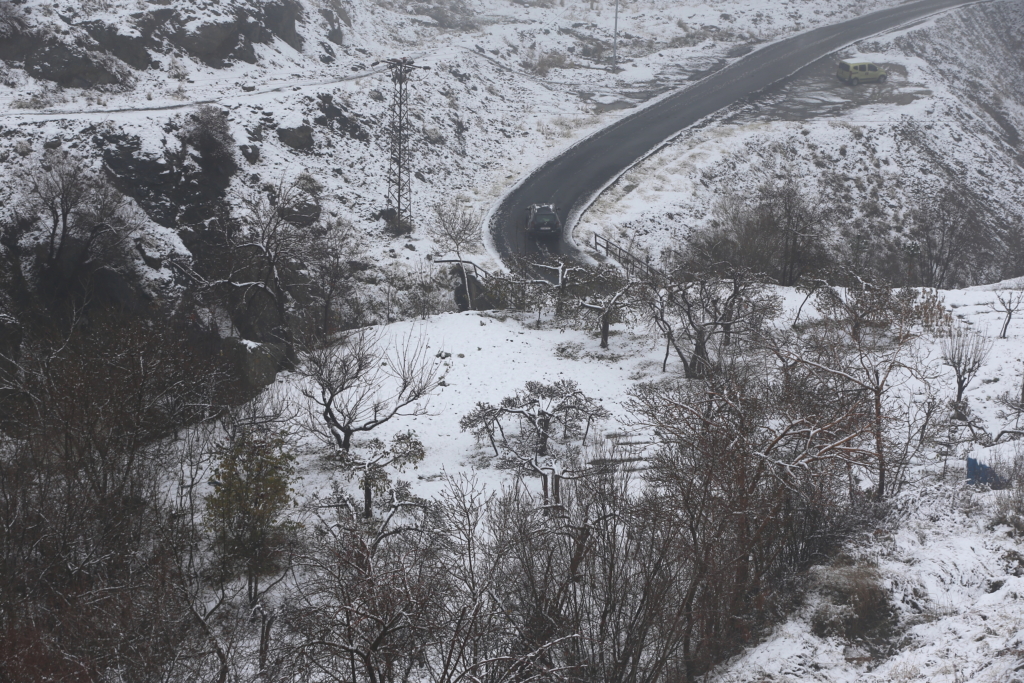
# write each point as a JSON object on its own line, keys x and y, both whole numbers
{"x": 399, "y": 196}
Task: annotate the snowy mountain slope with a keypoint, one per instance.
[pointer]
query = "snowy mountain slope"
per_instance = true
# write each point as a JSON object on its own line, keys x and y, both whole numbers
{"x": 509, "y": 83}
{"x": 955, "y": 582}
{"x": 949, "y": 114}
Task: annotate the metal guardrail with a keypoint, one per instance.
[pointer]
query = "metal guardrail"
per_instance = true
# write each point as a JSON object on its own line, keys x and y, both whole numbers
{"x": 634, "y": 265}
{"x": 477, "y": 272}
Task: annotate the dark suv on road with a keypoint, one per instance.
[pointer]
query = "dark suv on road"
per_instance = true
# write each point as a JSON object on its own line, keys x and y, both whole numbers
{"x": 542, "y": 221}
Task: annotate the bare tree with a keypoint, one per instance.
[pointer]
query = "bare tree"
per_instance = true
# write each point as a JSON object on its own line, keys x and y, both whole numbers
{"x": 456, "y": 228}
{"x": 331, "y": 265}
{"x": 606, "y": 294}
{"x": 868, "y": 341}
{"x": 707, "y": 313}
{"x": 540, "y": 430}
{"x": 368, "y": 594}
{"x": 269, "y": 246}
{"x": 84, "y": 215}
{"x": 1009, "y": 302}
{"x": 950, "y": 235}
{"x": 1012, "y": 404}
{"x": 780, "y": 233}
{"x": 362, "y": 382}
{"x": 85, "y": 428}
{"x": 750, "y": 468}
{"x": 965, "y": 351}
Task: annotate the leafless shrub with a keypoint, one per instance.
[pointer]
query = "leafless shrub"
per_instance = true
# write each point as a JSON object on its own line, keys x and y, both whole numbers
{"x": 207, "y": 130}
{"x": 965, "y": 351}
{"x": 781, "y": 233}
{"x": 544, "y": 61}
{"x": 951, "y": 238}
{"x": 1008, "y": 303}
{"x": 855, "y": 603}
{"x": 406, "y": 291}
{"x": 177, "y": 70}
{"x": 80, "y": 217}
{"x": 1010, "y": 500}
{"x": 47, "y": 96}
{"x": 455, "y": 228}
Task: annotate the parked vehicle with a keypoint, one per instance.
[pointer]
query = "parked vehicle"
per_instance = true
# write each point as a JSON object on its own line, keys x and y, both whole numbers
{"x": 856, "y": 73}
{"x": 542, "y": 221}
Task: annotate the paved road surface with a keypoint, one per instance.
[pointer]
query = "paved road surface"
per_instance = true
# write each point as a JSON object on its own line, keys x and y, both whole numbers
{"x": 572, "y": 180}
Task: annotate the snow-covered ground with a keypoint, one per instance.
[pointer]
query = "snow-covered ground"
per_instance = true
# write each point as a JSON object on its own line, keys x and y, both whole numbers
{"x": 486, "y": 118}
{"x": 949, "y": 112}
{"x": 509, "y": 85}
{"x": 955, "y": 581}
{"x": 953, "y": 576}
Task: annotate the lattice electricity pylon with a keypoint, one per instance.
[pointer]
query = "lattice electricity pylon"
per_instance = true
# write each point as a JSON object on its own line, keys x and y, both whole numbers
{"x": 399, "y": 199}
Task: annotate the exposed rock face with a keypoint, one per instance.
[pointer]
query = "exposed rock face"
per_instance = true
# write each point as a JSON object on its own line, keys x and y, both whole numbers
{"x": 102, "y": 53}
{"x": 302, "y": 214}
{"x": 214, "y": 43}
{"x": 280, "y": 18}
{"x": 250, "y": 152}
{"x": 300, "y": 137}
{"x": 17, "y": 45}
{"x": 172, "y": 189}
{"x": 256, "y": 365}
{"x": 129, "y": 49}
{"x": 74, "y": 67}
{"x": 333, "y": 115}
{"x": 233, "y": 38}
{"x": 118, "y": 289}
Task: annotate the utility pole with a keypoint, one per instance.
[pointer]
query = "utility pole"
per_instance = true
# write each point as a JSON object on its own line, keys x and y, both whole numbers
{"x": 399, "y": 196}
{"x": 615, "y": 40}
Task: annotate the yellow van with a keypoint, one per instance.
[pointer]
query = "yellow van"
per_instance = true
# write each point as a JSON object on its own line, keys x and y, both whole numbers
{"x": 856, "y": 73}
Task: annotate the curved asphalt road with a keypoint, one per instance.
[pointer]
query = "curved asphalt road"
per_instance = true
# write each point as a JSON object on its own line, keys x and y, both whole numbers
{"x": 572, "y": 180}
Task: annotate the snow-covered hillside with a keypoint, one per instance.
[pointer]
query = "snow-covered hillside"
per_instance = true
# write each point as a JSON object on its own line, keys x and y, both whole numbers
{"x": 948, "y": 116}
{"x": 509, "y": 83}
{"x": 948, "y": 558}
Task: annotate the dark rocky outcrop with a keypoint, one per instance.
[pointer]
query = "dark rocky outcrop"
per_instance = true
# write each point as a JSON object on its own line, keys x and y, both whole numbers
{"x": 250, "y": 152}
{"x": 173, "y": 189}
{"x": 74, "y": 67}
{"x": 232, "y": 38}
{"x": 301, "y": 214}
{"x": 333, "y": 115}
{"x": 280, "y": 19}
{"x": 129, "y": 49}
{"x": 118, "y": 290}
{"x": 215, "y": 42}
{"x": 300, "y": 137}
{"x": 335, "y": 34}
{"x": 16, "y": 46}
{"x": 255, "y": 365}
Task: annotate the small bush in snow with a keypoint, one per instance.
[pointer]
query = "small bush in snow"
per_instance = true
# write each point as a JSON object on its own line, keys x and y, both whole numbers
{"x": 855, "y": 604}
{"x": 208, "y": 132}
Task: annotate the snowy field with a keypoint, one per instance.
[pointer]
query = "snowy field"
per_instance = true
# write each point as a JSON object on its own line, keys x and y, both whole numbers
{"x": 509, "y": 85}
